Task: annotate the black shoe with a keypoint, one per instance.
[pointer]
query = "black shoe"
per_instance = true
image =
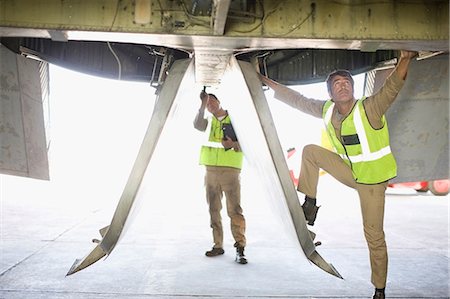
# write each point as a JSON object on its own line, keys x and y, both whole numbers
{"x": 215, "y": 252}
{"x": 310, "y": 210}
{"x": 379, "y": 294}
{"x": 240, "y": 256}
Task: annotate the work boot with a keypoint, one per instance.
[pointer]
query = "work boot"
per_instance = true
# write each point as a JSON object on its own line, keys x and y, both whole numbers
{"x": 379, "y": 294}
{"x": 240, "y": 256}
{"x": 310, "y": 210}
{"x": 215, "y": 252}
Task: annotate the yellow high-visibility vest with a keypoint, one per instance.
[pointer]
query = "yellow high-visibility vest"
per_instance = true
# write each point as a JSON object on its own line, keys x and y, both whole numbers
{"x": 213, "y": 152}
{"x": 365, "y": 149}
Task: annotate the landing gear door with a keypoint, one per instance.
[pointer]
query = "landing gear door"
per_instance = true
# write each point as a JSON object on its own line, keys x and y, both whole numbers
{"x": 23, "y": 116}
{"x": 418, "y": 120}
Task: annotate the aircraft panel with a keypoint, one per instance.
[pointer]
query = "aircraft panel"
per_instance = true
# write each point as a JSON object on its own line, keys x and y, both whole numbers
{"x": 419, "y": 119}
{"x": 258, "y": 138}
{"x": 112, "y": 233}
{"x": 23, "y": 142}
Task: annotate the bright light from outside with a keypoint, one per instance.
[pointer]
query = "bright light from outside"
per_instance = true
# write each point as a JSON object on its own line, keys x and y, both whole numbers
{"x": 97, "y": 126}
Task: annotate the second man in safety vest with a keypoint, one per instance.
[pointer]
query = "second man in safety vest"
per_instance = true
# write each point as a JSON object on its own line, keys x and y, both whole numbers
{"x": 222, "y": 157}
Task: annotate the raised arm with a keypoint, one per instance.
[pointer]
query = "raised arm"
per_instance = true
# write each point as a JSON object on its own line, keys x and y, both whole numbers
{"x": 403, "y": 63}
{"x": 294, "y": 99}
{"x": 200, "y": 123}
{"x": 377, "y": 104}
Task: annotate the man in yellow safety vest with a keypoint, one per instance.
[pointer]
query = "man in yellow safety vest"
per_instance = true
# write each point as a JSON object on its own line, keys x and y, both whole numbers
{"x": 222, "y": 157}
{"x": 362, "y": 160}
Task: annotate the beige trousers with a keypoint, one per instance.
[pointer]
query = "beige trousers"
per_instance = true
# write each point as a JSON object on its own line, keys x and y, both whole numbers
{"x": 372, "y": 198}
{"x": 220, "y": 180}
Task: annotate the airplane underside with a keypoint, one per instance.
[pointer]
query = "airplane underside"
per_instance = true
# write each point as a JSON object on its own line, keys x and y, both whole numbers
{"x": 259, "y": 142}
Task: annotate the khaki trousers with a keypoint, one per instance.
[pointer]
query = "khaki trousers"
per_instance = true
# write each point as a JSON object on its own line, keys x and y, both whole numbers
{"x": 372, "y": 199}
{"x": 220, "y": 180}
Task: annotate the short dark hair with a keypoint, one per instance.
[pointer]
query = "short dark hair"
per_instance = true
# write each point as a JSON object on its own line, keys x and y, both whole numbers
{"x": 214, "y": 96}
{"x": 342, "y": 73}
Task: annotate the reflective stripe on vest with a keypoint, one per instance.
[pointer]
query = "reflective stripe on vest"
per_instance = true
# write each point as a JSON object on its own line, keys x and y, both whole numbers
{"x": 213, "y": 152}
{"x": 213, "y": 144}
{"x": 206, "y": 141}
{"x": 366, "y": 154}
